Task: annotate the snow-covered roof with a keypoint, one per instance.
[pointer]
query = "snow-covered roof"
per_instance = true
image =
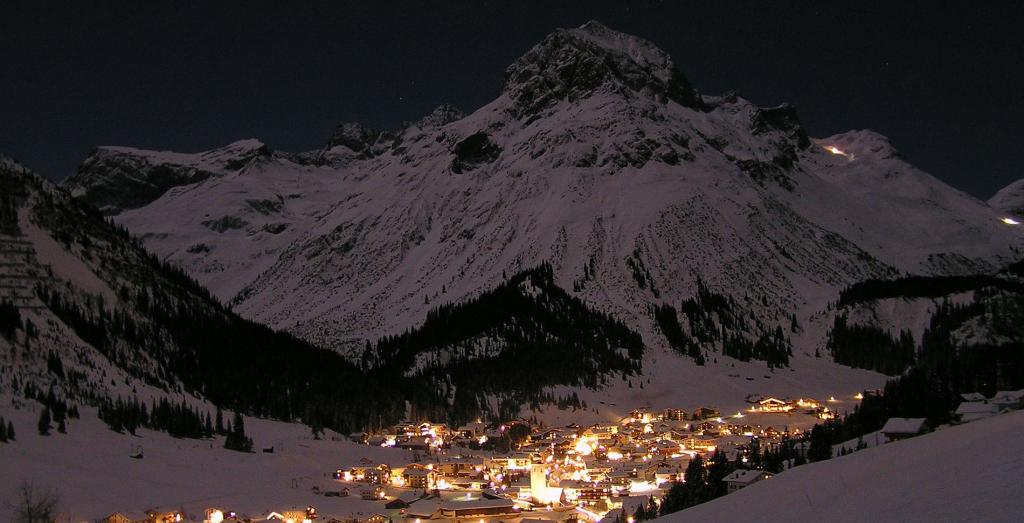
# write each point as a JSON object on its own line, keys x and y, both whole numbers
{"x": 903, "y": 426}
{"x": 423, "y": 507}
{"x": 975, "y": 407}
{"x": 744, "y": 476}
{"x": 1010, "y": 395}
{"x": 972, "y": 396}
{"x": 477, "y": 503}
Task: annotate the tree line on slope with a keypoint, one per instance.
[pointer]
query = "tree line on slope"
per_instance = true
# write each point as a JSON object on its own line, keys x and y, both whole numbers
{"x": 511, "y": 343}
{"x": 870, "y": 347}
{"x": 713, "y": 319}
{"x": 10, "y": 320}
{"x": 995, "y": 306}
{"x": 945, "y": 367}
{"x": 924, "y": 287}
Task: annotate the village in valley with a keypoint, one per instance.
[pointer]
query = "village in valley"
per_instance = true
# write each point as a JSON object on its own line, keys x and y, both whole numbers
{"x": 522, "y": 471}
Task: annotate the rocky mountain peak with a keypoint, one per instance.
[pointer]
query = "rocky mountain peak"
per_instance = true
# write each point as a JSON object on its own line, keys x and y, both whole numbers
{"x": 862, "y": 143}
{"x": 441, "y": 116}
{"x": 119, "y": 178}
{"x": 1010, "y": 199}
{"x": 572, "y": 64}
{"x": 356, "y": 137}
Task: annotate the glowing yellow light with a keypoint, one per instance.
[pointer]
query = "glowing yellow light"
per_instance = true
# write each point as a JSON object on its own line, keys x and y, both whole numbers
{"x": 1010, "y": 221}
{"x": 583, "y": 447}
{"x": 216, "y": 516}
{"x": 859, "y": 396}
{"x": 641, "y": 486}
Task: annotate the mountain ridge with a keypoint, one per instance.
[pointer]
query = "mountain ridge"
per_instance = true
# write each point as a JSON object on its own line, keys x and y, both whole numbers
{"x": 594, "y": 167}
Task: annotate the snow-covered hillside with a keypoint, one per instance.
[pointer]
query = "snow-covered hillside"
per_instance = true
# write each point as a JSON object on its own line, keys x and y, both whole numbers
{"x": 969, "y": 472}
{"x": 92, "y": 316}
{"x": 599, "y": 157}
{"x": 1010, "y": 200}
{"x": 92, "y": 471}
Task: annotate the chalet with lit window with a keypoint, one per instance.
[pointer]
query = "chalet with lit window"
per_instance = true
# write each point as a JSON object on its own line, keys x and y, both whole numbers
{"x": 902, "y": 428}
{"x": 127, "y": 517}
{"x": 774, "y": 405}
{"x": 165, "y": 515}
{"x": 671, "y": 414}
{"x": 417, "y": 476}
{"x": 739, "y": 479}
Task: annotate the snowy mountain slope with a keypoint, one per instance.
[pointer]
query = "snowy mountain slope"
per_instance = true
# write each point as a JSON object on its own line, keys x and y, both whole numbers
{"x": 102, "y": 303}
{"x": 1010, "y": 199}
{"x": 598, "y": 157}
{"x": 95, "y": 317}
{"x": 909, "y": 480}
{"x": 888, "y": 325}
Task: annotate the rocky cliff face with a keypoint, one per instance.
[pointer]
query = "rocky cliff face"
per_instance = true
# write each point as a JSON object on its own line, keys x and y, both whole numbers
{"x": 118, "y": 178}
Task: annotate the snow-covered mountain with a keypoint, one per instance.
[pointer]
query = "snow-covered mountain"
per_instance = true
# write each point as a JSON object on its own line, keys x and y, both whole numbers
{"x": 598, "y": 157}
{"x": 1010, "y": 199}
{"x": 88, "y": 315}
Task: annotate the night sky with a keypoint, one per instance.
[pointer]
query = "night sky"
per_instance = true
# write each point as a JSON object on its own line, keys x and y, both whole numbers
{"x": 943, "y": 81}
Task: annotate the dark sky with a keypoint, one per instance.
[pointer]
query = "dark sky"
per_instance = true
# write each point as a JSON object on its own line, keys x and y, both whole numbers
{"x": 943, "y": 81}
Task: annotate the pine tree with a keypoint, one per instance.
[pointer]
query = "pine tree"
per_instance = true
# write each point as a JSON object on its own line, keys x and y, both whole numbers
{"x": 3, "y": 431}
{"x": 10, "y": 430}
{"x": 239, "y": 423}
{"x": 61, "y": 427}
{"x": 219, "y": 427}
{"x": 44, "y": 422}
{"x": 237, "y": 440}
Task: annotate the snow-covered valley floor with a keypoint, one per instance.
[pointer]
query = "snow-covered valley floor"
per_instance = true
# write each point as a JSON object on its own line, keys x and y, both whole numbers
{"x": 90, "y": 468}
